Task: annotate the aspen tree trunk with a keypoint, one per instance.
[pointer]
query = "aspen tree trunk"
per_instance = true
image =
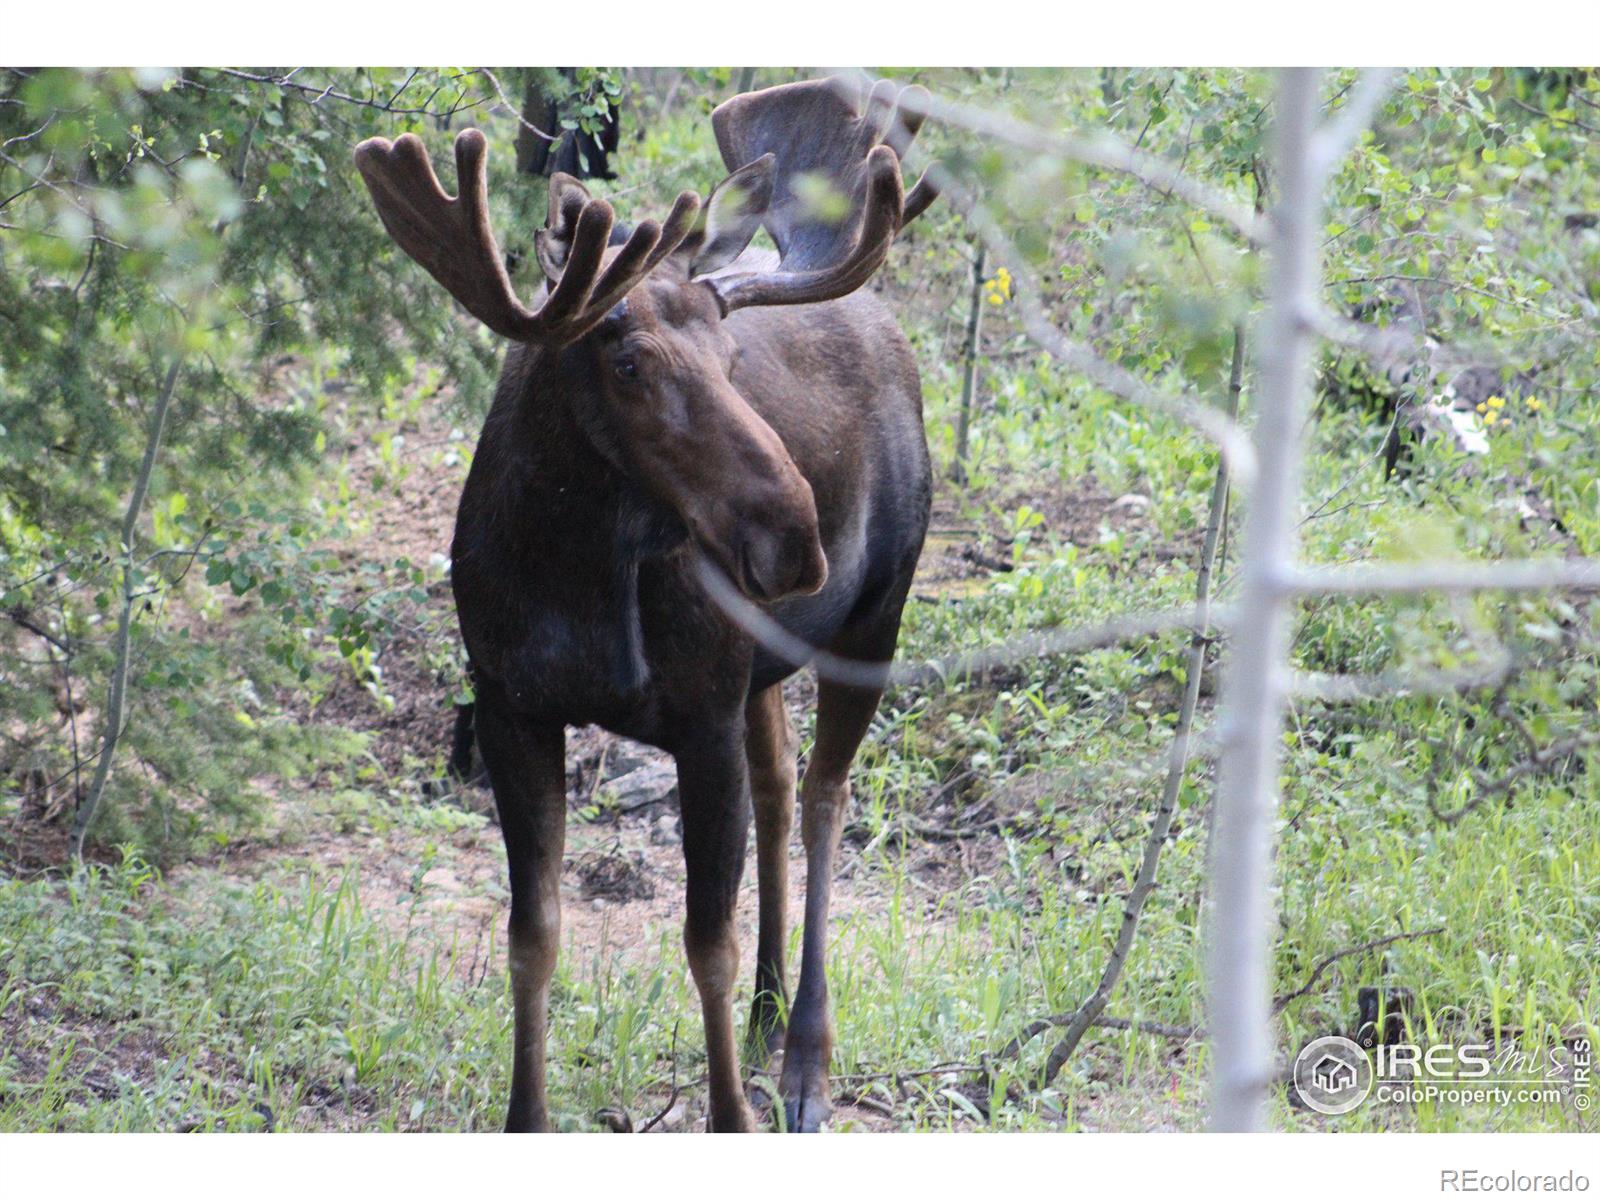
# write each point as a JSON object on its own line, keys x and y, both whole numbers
{"x": 1255, "y": 682}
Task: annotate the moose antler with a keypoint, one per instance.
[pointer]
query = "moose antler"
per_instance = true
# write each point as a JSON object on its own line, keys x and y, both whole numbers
{"x": 825, "y": 149}
{"x": 452, "y": 239}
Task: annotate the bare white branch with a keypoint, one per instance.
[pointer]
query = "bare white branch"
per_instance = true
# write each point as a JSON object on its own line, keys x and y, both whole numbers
{"x": 1074, "y": 640}
{"x": 1097, "y": 150}
{"x": 777, "y": 640}
{"x": 1515, "y": 575}
{"x": 1040, "y": 643}
{"x": 1398, "y": 345}
{"x": 1390, "y": 685}
{"x": 1342, "y": 130}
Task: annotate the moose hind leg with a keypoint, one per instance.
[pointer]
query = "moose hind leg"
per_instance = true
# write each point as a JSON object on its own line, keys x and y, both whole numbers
{"x": 769, "y": 742}
{"x": 843, "y": 717}
{"x": 461, "y": 742}
{"x": 528, "y": 770}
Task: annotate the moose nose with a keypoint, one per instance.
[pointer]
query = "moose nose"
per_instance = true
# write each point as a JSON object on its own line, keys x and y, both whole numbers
{"x": 776, "y": 564}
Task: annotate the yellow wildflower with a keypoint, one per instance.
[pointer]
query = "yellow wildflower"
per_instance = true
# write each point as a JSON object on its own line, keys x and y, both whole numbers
{"x": 1496, "y": 401}
{"x": 1490, "y": 419}
{"x": 1534, "y": 403}
{"x": 1483, "y": 408}
{"x": 997, "y": 288}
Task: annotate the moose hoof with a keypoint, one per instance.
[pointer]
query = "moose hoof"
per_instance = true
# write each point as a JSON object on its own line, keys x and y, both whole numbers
{"x": 809, "y": 1113}
{"x": 740, "y": 1120}
{"x": 527, "y": 1123}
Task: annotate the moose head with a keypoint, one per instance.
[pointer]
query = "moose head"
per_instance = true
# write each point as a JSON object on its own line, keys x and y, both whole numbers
{"x": 642, "y": 326}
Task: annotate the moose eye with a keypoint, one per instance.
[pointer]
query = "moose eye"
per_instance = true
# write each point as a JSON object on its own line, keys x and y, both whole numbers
{"x": 625, "y": 368}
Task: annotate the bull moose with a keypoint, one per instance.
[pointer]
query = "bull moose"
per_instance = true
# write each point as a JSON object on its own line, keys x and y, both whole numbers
{"x": 677, "y": 400}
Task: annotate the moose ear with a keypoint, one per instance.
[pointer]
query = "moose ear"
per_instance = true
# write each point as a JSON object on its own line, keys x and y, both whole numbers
{"x": 552, "y": 243}
{"x": 732, "y": 216}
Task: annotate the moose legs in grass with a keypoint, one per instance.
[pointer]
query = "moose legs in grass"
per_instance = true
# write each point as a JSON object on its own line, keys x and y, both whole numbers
{"x": 720, "y": 782}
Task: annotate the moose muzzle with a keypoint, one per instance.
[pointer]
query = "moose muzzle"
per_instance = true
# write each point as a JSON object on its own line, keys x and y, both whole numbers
{"x": 782, "y": 558}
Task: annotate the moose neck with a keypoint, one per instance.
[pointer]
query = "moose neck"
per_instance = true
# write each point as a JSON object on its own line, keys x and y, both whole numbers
{"x": 548, "y": 494}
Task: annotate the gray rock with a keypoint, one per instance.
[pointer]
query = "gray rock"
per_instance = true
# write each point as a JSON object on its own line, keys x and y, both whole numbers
{"x": 652, "y": 783}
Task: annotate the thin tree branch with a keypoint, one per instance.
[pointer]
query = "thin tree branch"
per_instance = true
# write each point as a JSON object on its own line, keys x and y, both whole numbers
{"x": 516, "y": 112}
{"x": 1538, "y": 762}
{"x": 285, "y": 83}
{"x": 72, "y": 718}
{"x": 1179, "y": 1033}
{"x": 89, "y": 806}
{"x": 773, "y": 637}
{"x": 1539, "y": 112}
{"x": 1145, "y": 882}
{"x": 21, "y": 619}
{"x": 676, "y": 1091}
{"x": 972, "y": 344}
{"x": 1387, "y": 685}
{"x": 27, "y": 137}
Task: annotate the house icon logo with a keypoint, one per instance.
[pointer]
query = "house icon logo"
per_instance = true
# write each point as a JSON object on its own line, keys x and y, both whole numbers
{"x": 1332, "y": 1075}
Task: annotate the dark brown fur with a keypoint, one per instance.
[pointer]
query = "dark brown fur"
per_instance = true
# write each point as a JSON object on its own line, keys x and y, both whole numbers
{"x": 782, "y": 444}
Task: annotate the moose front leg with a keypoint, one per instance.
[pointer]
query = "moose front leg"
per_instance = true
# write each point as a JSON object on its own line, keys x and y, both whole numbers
{"x": 843, "y": 717}
{"x": 527, "y": 767}
{"x": 714, "y": 794}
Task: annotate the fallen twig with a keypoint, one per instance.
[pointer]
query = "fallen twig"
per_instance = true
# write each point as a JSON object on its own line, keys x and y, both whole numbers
{"x": 1322, "y": 965}
{"x": 1179, "y": 1033}
{"x": 1537, "y": 763}
{"x": 676, "y": 1091}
